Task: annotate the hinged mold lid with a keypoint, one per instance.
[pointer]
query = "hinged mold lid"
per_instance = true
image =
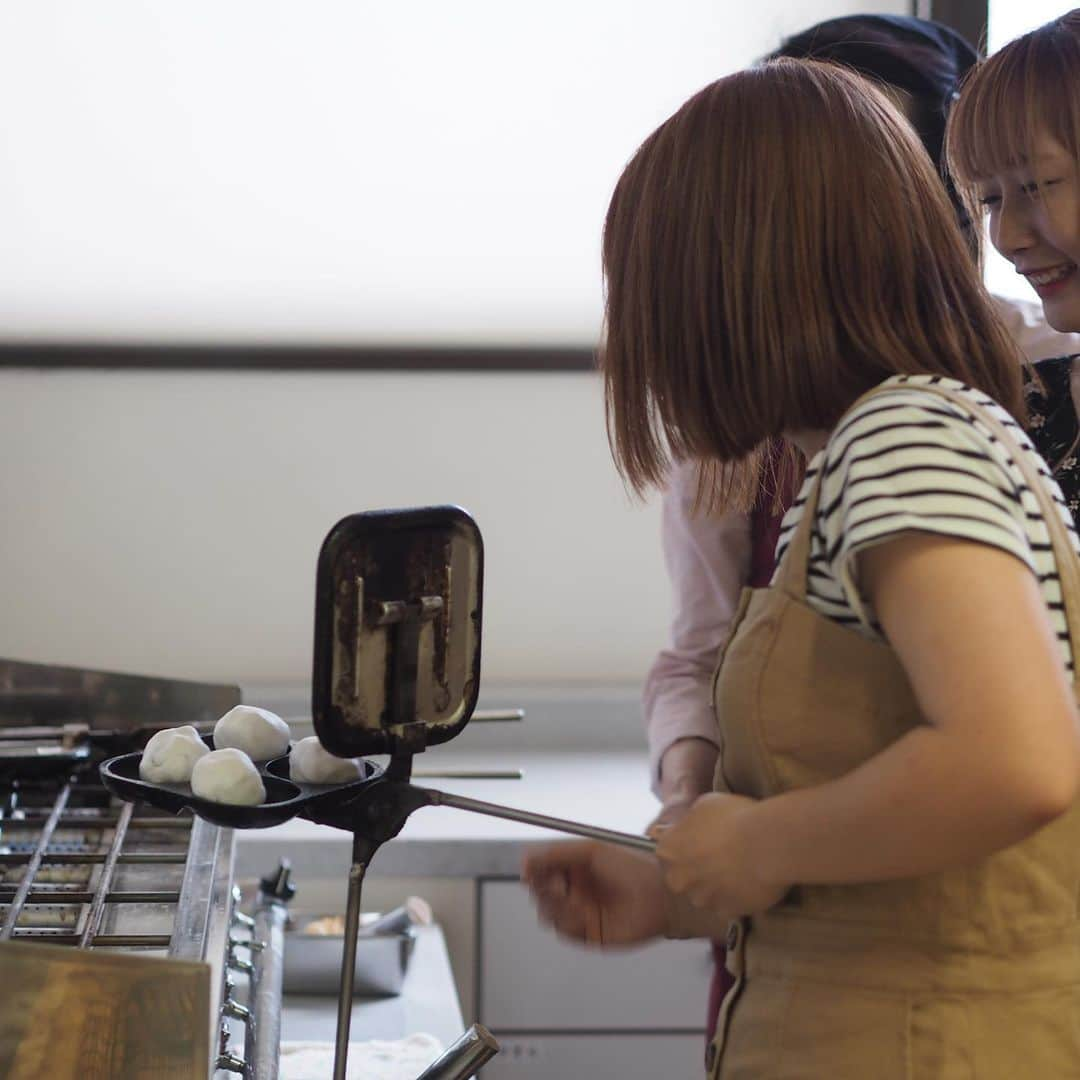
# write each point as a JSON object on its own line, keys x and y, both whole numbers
{"x": 397, "y": 630}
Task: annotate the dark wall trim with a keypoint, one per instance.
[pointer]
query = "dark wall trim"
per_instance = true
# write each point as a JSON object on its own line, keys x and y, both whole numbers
{"x": 294, "y": 358}
{"x": 966, "y": 17}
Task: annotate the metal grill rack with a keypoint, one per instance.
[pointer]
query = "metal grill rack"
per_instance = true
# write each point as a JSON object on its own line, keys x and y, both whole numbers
{"x": 79, "y": 868}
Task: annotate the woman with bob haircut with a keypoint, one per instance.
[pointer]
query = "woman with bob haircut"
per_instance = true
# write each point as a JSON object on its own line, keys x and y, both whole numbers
{"x": 892, "y": 854}
{"x": 710, "y": 557}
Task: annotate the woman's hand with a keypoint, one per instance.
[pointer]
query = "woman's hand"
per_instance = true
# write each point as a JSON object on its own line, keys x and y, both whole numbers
{"x": 709, "y": 859}
{"x": 686, "y": 772}
{"x": 597, "y": 893}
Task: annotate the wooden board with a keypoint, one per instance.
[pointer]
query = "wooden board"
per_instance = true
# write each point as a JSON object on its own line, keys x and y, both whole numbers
{"x": 92, "y": 1015}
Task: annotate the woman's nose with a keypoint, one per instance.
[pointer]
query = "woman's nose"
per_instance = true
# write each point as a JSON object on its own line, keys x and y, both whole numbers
{"x": 1013, "y": 228}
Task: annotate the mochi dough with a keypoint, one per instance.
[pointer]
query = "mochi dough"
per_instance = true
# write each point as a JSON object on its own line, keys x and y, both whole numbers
{"x": 228, "y": 776}
{"x": 311, "y": 763}
{"x": 261, "y": 734}
{"x": 170, "y": 755}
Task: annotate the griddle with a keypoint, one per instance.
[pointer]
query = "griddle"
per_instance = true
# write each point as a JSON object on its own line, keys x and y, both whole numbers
{"x": 398, "y": 601}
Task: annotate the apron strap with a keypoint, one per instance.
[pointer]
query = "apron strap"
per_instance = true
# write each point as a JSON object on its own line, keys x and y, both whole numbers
{"x": 1065, "y": 555}
{"x": 793, "y": 571}
{"x": 794, "y": 568}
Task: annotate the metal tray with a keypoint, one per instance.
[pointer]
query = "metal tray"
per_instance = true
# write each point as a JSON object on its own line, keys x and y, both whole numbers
{"x": 285, "y": 799}
{"x": 313, "y": 962}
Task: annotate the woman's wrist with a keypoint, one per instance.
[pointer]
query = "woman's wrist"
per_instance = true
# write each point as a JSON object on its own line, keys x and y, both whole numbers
{"x": 763, "y": 844}
{"x": 686, "y": 769}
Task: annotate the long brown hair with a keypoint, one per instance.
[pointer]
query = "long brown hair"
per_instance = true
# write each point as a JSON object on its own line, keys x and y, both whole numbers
{"x": 777, "y": 247}
{"x": 1029, "y": 86}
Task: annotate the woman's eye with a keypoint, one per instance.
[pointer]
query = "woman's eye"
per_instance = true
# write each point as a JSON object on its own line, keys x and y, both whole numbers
{"x": 989, "y": 200}
{"x": 1032, "y": 186}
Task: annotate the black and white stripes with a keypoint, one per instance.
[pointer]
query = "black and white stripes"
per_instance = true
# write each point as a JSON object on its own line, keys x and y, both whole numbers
{"x": 910, "y": 460}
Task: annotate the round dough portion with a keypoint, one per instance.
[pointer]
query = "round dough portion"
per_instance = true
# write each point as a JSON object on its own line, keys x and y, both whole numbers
{"x": 311, "y": 763}
{"x": 170, "y": 755}
{"x": 261, "y": 734}
{"x": 228, "y": 776}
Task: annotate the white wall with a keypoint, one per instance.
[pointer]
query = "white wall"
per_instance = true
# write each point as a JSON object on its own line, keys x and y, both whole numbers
{"x": 170, "y": 522}
{"x": 335, "y": 170}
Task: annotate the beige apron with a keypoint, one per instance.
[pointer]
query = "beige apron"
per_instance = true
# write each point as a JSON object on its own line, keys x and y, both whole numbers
{"x": 971, "y": 973}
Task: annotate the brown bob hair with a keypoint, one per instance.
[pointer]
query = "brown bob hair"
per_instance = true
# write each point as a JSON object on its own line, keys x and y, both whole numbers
{"x": 777, "y": 247}
{"x": 1029, "y": 86}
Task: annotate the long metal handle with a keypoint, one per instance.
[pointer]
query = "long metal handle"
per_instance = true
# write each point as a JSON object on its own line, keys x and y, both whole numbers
{"x": 468, "y": 774}
{"x": 474, "y": 1049}
{"x": 476, "y": 806}
{"x": 496, "y": 716}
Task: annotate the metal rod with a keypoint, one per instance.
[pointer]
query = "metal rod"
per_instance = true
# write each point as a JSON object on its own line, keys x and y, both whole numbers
{"x": 85, "y": 896}
{"x": 476, "y": 806}
{"x": 128, "y": 941}
{"x": 362, "y": 852}
{"x": 35, "y": 861}
{"x": 95, "y": 816}
{"x": 97, "y": 907}
{"x": 102, "y": 941}
{"x": 265, "y": 1003}
{"x": 91, "y": 858}
{"x": 465, "y": 1058}
{"x": 468, "y": 774}
{"x": 98, "y": 820}
{"x": 496, "y": 716}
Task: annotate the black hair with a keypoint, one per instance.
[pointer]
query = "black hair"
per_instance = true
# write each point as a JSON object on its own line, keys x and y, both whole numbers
{"x": 922, "y": 58}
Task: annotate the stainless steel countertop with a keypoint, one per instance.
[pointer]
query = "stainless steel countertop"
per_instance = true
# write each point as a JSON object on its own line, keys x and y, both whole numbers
{"x": 428, "y": 1003}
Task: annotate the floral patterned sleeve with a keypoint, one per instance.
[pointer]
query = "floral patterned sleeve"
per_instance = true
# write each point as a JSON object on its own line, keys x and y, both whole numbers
{"x": 1053, "y": 424}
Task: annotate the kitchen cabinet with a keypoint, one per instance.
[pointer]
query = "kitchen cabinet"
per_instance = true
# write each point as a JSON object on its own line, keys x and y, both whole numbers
{"x": 598, "y": 1057}
{"x": 569, "y": 1012}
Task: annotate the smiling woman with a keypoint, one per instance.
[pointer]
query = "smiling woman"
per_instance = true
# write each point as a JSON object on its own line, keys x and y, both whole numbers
{"x": 1014, "y": 149}
{"x": 1033, "y": 212}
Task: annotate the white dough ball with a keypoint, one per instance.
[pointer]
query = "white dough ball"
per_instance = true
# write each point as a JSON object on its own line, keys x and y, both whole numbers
{"x": 311, "y": 763}
{"x": 170, "y": 755}
{"x": 228, "y": 776}
{"x": 260, "y": 733}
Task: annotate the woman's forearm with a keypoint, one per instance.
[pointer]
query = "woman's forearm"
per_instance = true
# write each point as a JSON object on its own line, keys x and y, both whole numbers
{"x": 999, "y": 755}
{"x": 929, "y": 802}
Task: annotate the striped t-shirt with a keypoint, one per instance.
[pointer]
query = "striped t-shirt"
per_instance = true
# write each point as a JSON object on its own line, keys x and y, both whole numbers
{"x": 910, "y": 460}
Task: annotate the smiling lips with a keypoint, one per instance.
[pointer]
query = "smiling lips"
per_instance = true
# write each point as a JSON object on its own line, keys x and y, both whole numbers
{"x": 1044, "y": 281}
{"x": 1051, "y": 275}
